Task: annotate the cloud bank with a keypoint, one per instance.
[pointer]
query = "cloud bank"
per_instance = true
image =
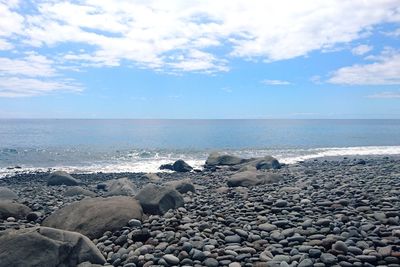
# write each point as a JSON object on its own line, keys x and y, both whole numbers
{"x": 185, "y": 36}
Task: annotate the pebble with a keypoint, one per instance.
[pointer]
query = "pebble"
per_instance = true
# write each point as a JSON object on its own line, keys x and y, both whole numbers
{"x": 171, "y": 259}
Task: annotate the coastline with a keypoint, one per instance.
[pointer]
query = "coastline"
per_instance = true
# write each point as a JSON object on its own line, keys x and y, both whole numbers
{"x": 302, "y": 220}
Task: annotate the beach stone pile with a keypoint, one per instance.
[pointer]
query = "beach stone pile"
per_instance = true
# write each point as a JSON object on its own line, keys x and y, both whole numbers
{"x": 338, "y": 212}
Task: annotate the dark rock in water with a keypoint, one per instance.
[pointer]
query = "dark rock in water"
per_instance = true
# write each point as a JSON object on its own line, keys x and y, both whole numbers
{"x": 120, "y": 187}
{"x": 43, "y": 246}
{"x": 216, "y": 159}
{"x": 158, "y": 199}
{"x": 92, "y": 217}
{"x": 13, "y": 209}
{"x": 181, "y": 166}
{"x": 251, "y": 178}
{"x": 168, "y": 166}
{"x": 178, "y": 166}
{"x": 182, "y": 186}
{"x": 7, "y": 194}
{"x": 76, "y": 191}
{"x": 61, "y": 178}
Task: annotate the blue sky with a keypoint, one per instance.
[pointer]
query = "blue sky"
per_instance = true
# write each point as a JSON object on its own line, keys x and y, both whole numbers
{"x": 199, "y": 59}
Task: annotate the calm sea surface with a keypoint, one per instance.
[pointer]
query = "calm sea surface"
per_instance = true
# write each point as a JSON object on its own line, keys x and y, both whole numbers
{"x": 142, "y": 145}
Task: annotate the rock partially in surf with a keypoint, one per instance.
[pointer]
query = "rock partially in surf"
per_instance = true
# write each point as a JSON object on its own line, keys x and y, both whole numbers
{"x": 13, "y": 209}
{"x": 61, "y": 178}
{"x": 178, "y": 166}
{"x": 94, "y": 216}
{"x": 251, "y": 178}
{"x": 120, "y": 187}
{"x": 43, "y": 246}
{"x": 7, "y": 194}
{"x": 181, "y": 166}
{"x": 77, "y": 190}
{"x": 159, "y": 199}
{"x": 168, "y": 166}
{"x": 216, "y": 159}
{"x": 182, "y": 186}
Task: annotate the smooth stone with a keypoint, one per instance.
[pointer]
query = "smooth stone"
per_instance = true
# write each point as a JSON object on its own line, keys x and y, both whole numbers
{"x": 211, "y": 262}
{"x": 171, "y": 259}
{"x": 328, "y": 258}
{"x": 232, "y": 239}
{"x": 306, "y": 263}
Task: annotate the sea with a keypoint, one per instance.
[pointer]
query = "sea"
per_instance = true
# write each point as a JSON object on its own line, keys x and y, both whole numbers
{"x": 130, "y": 145}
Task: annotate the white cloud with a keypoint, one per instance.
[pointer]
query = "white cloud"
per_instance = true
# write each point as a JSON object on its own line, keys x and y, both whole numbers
{"x": 25, "y": 87}
{"x": 275, "y": 82}
{"x": 385, "y": 71}
{"x": 32, "y": 75}
{"x": 386, "y": 95}
{"x": 395, "y": 33}
{"x": 10, "y": 21}
{"x": 180, "y": 35}
{"x": 361, "y": 50}
{"x": 5, "y": 45}
{"x": 31, "y": 65}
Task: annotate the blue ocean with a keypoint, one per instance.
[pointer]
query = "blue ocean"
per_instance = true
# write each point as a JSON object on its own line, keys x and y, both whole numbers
{"x": 143, "y": 145}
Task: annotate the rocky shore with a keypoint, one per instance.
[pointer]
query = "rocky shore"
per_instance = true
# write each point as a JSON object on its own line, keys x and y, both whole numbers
{"x": 236, "y": 212}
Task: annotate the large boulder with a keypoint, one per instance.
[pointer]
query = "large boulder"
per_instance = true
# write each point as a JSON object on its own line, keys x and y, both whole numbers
{"x": 264, "y": 163}
{"x": 216, "y": 159}
{"x": 43, "y": 246}
{"x": 13, "y": 209}
{"x": 178, "y": 166}
{"x": 182, "y": 186}
{"x": 94, "y": 216}
{"x": 251, "y": 178}
{"x": 159, "y": 199}
{"x": 120, "y": 187}
{"x": 181, "y": 166}
{"x": 61, "y": 178}
{"x": 77, "y": 190}
{"x": 267, "y": 163}
{"x": 7, "y": 194}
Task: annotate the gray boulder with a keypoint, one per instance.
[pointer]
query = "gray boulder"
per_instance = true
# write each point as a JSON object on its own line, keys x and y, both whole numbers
{"x": 77, "y": 190}
{"x": 42, "y": 246}
{"x": 61, "y": 178}
{"x": 7, "y": 194}
{"x": 94, "y": 216}
{"x": 178, "y": 166}
{"x": 251, "y": 178}
{"x": 159, "y": 199}
{"x": 13, "y": 209}
{"x": 264, "y": 163}
{"x": 216, "y": 159}
{"x": 181, "y": 166}
{"x": 268, "y": 163}
{"x": 182, "y": 186}
{"x": 120, "y": 187}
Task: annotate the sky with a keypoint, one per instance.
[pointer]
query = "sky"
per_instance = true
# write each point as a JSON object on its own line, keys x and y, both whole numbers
{"x": 206, "y": 59}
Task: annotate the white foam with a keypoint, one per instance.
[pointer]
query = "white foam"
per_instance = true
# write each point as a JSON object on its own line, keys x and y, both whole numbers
{"x": 151, "y": 165}
{"x": 342, "y": 151}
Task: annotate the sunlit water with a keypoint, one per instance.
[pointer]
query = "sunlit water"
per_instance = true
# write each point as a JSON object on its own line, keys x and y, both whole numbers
{"x": 143, "y": 145}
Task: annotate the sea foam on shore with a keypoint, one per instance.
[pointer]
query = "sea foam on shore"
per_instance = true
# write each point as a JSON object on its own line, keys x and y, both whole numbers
{"x": 133, "y": 162}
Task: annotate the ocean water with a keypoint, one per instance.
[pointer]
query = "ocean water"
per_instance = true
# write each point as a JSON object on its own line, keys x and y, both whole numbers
{"x": 143, "y": 145}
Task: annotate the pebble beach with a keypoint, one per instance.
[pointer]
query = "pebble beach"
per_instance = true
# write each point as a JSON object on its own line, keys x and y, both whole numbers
{"x": 325, "y": 212}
